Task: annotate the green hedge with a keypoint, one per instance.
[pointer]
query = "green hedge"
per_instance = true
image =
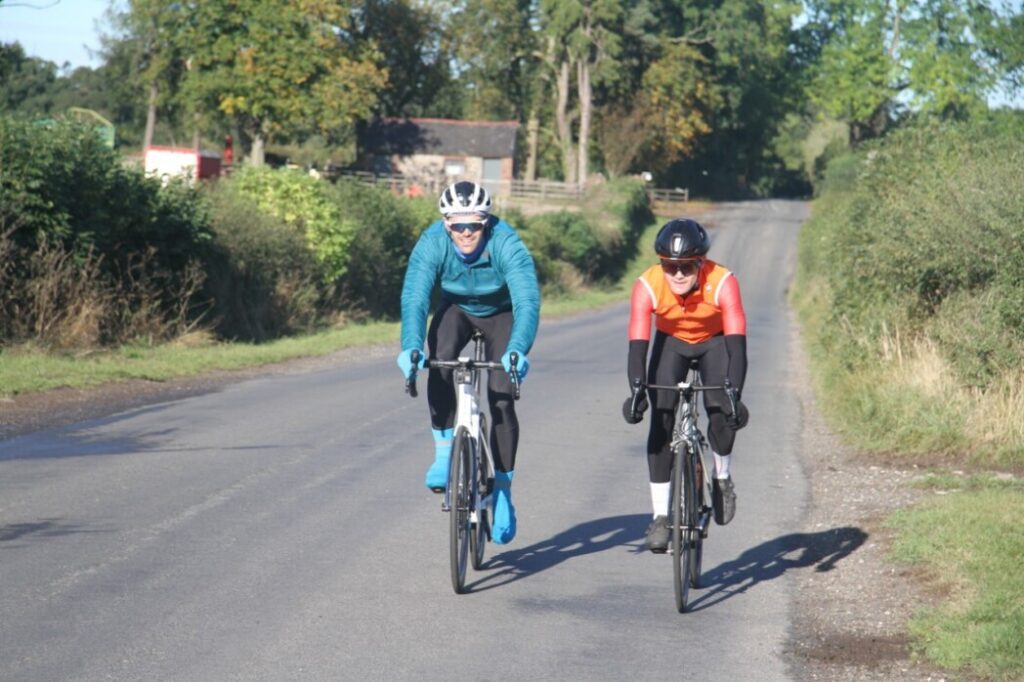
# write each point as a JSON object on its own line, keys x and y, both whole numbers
{"x": 926, "y": 232}
{"x": 58, "y": 182}
{"x": 66, "y": 198}
{"x": 910, "y": 284}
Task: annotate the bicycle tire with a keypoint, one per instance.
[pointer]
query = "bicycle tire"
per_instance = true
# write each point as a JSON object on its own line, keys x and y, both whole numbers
{"x": 481, "y": 529}
{"x": 679, "y": 537}
{"x": 460, "y": 490}
{"x": 694, "y": 487}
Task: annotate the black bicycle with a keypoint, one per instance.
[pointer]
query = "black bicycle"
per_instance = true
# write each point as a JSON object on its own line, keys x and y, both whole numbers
{"x": 691, "y": 483}
{"x": 467, "y": 496}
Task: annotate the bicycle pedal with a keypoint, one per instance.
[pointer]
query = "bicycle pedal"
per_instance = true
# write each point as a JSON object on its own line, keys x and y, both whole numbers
{"x": 437, "y": 489}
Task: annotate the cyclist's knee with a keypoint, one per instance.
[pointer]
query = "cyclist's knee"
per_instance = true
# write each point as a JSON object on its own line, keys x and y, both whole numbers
{"x": 719, "y": 434}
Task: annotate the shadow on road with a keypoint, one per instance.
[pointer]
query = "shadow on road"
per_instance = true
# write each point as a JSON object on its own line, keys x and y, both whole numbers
{"x": 586, "y": 538}
{"x": 770, "y": 560}
{"x": 45, "y": 528}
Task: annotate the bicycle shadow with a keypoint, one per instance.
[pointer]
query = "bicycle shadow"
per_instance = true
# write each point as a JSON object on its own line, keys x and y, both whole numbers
{"x": 594, "y": 536}
{"x": 772, "y": 559}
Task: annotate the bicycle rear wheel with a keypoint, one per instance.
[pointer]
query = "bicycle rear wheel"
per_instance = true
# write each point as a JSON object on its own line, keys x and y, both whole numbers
{"x": 478, "y": 538}
{"x": 461, "y": 493}
{"x": 694, "y": 510}
{"x": 680, "y": 537}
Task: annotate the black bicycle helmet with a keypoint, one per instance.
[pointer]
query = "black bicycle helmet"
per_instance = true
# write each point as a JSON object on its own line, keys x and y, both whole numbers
{"x": 682, "y": 238}
{"x": 464, "y": 197}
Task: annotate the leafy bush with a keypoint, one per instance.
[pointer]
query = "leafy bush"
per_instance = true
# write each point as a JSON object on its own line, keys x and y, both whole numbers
{"x": 592, "y": 245}
{"x": 263, "y": 279}
{"x": 66, "y": 187}
{"x": 306, "y": 204}
{"x": 388, "y": 227}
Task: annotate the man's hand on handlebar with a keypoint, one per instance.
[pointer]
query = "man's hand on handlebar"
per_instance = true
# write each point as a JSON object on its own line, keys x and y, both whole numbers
{"x": 514, "y": 359}
{"x": 408, "y": 363}
{"x": 636, "y": 404}
{"x": 738, "y": 413}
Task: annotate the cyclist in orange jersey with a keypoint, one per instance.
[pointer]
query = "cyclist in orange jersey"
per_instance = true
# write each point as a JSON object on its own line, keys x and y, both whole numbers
{"x": 698, "y": 317}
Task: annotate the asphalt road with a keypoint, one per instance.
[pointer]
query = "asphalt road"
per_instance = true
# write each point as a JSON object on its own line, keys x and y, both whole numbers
{"x": 278, "y": 529}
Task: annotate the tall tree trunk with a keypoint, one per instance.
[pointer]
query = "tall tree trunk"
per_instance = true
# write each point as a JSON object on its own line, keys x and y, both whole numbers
{"x": 256, "y": 156}
{"x": 585, "y": 94}
{"x": 564, "y": 127}
{"x": 532, "y": 134}
{"x": 147, "y": 138}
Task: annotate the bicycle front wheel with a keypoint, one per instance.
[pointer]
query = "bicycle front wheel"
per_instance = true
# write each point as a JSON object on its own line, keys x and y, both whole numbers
{"x": 461, "y": 493}
{"x": 680, "y": 536}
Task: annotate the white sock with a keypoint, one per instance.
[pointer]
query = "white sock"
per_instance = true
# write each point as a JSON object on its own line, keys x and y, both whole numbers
{"x": 722, "y": 465}
{"x": 659, "y": 498}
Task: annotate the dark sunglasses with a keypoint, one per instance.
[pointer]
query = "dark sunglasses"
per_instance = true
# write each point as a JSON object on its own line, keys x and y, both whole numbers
{"x": 466, "y": 227}
{"x": 686, "y": 267}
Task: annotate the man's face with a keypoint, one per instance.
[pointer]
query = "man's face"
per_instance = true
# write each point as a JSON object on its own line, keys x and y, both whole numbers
{"x": 681, "y": 275}
{"x": 466, "y": 230}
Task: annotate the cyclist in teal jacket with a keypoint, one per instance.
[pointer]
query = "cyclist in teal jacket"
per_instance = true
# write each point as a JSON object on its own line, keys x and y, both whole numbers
{"x": 488, "y": 282}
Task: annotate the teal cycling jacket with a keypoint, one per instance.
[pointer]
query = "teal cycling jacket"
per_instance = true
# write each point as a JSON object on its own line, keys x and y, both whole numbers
{"x": 502, "y": 278}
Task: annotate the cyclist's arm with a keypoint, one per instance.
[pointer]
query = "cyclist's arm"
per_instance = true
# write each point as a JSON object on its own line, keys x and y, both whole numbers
{"x": 420, "y": 276}
{"x": 640, "y": 310}
{"x": 734, "y": 326}
{"x": 521, "y": 277}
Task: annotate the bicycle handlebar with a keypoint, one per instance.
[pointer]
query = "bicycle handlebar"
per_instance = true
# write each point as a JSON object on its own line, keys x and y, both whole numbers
{"x": 687, "y": 387}
{"x": 410, "y": 382}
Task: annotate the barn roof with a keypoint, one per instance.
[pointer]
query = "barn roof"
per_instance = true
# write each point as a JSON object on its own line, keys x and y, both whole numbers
{"x": 447, "y": 137}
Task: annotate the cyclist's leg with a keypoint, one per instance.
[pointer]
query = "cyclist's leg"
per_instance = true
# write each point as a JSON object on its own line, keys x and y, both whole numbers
{"x": 665, "y": 367}
{"x": 504, "y": 425}
{"x": 449, "y": 331}
{"x": 714, "y": 367}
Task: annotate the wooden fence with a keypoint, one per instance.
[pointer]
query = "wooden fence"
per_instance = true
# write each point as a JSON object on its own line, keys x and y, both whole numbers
{"x": 542, "y": 190}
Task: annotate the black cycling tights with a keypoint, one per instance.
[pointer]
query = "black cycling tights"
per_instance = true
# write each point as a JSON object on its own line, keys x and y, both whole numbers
{"x": 450, "y": 331}
{"x": 670, "y": 359}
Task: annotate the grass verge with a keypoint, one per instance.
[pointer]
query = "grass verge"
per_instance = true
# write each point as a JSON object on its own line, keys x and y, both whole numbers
{"x": 969, "y": 540}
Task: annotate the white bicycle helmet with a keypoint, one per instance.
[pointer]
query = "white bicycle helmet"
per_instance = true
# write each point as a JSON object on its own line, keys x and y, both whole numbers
{"x": 464, "y": 197}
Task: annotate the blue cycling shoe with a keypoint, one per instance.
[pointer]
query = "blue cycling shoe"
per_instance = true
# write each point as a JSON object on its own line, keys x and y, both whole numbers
{"x": 437, "y": 474}
{"x": 503, "y": 527}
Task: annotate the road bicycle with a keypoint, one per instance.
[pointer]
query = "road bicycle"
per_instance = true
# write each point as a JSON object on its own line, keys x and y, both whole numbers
{"x": 691, "y": 483}
{"x": 468, "y": 494}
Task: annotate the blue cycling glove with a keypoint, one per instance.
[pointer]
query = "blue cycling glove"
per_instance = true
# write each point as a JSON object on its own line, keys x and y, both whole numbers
{"x": 522, "y": 365}
{"x": 405, "y": 362}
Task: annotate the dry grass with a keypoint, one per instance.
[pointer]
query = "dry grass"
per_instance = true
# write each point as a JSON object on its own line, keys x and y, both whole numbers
{"x": 62, "y": 300}
{"x": 992, "y": 416}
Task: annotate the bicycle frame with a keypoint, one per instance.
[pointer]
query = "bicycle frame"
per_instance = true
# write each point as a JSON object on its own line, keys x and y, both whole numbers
{"x": 468, "y": 413}
{"x": 686, "y": 434}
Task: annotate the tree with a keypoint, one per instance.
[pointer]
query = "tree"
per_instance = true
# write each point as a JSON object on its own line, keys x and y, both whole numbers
{"x": 148, "y": 42}
{"x": 28, "y": 82}
{"x": 409, "y": 38}
{"x": 583, "y": 39}
{"x": 678, "y": 95}
{"x": 938, "y": 57}
{"x": 278, "y": 70}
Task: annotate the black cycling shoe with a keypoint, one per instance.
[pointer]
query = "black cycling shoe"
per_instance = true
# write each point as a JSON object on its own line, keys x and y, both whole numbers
{"x": 657, "y": 535}
{"x": 723, "y": 499}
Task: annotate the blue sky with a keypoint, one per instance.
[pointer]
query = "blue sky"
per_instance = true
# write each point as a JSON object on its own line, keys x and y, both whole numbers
{"x": 57, "y": 30}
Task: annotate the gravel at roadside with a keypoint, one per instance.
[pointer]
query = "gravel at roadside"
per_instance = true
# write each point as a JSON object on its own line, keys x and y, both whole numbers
{"x": 852, "y": 603}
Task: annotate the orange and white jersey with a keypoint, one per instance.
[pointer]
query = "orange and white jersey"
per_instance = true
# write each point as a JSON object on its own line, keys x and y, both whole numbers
{"x": 713, "y": 307}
